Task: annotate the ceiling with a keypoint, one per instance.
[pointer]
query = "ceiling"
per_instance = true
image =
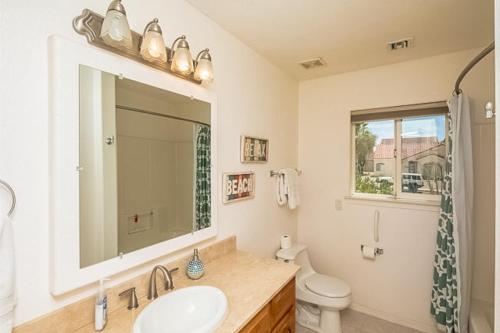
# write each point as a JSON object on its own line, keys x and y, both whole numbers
{"x": 351, "y": 34}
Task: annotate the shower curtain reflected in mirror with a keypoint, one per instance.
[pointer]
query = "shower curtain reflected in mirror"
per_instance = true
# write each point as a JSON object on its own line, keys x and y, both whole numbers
{"x": 203, "y": 172}
{"x": 451, "y": 291}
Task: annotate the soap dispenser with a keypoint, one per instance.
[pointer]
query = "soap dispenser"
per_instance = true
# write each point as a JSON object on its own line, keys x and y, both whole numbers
{"x": 101, "y": 307}
{"x": 195, "y": 268}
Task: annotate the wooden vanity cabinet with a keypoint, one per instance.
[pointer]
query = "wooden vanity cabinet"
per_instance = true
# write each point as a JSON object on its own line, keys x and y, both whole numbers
{"x": 278, "y": 316}
{"x": 286, "y": 324}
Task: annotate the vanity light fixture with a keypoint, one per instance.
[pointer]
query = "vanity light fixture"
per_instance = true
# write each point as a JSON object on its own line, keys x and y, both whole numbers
{"x": 152, "y": 46}
{"x": 204, "y": 69}
{"x": 181, "y": 58}
{"x": 112, "y": 33}
{"x": 115, "y": 30}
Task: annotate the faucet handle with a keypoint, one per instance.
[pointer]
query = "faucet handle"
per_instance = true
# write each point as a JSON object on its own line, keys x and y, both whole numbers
{"x": 170, "y": 283}
{"x": 133, "y": 303}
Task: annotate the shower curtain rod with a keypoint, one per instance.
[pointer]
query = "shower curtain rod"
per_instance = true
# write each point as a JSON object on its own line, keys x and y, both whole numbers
{"x": 471, "y": 64}
{"x": 128, "y": 108}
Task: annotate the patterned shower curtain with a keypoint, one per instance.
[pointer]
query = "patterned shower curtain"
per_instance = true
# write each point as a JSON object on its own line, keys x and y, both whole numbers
{"x": 451, "y": 290}
{"x": 444, "y": 304}
{"x": 203, "y": 177}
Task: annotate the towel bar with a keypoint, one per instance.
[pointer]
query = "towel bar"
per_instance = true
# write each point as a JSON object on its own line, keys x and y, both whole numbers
{"x": 274, "y": 173}
{"x": 12, "y": 194}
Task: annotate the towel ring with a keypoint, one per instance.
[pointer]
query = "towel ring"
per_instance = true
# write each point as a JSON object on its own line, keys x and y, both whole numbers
{"x": 13, "y": 196}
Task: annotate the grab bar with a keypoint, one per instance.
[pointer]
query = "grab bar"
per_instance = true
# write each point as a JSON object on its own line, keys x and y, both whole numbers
{"x": 12, "y": 194}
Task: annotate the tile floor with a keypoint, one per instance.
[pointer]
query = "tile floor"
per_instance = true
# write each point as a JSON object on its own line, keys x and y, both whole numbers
{"x": 357, "y": 322}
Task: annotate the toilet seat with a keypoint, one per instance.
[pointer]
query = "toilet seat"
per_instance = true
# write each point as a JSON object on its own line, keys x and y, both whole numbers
{"x": 327, "y": 286}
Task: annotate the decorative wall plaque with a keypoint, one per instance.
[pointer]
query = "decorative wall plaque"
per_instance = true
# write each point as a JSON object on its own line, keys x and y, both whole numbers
{"x": 238, "y": 186}
{"x": 254, "y": 150}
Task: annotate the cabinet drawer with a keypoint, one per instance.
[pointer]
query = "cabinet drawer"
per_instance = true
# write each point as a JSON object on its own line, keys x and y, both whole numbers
{"x": 282, "y": 302}
{"x": 285, "y": 325}
{"x": 261, "y": 323}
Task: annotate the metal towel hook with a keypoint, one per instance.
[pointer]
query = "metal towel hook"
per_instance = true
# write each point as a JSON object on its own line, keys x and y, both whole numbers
{"x": 12, "y": 194}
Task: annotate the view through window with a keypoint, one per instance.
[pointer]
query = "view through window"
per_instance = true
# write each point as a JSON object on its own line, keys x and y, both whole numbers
{"x": 402, "y": 156}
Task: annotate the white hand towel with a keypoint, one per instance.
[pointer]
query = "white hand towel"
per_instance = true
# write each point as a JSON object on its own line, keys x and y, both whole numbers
{"x": 291, "y": 181}
{"x": 7, "y": 298}
{"x": 281, "y": 197}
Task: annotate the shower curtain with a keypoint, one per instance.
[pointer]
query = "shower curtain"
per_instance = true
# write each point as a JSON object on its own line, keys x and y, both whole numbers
{"x": 203, "y": 177}
{"x": 450, "y": 304}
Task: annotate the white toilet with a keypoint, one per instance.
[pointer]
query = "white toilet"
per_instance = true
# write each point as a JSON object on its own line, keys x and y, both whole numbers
{"x": 329, "y": 294}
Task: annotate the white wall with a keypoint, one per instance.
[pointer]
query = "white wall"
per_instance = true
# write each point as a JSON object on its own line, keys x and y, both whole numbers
{"x": 497, "y": 173}
{"x": 397, "y": 285}
{"x": 480, "y": 85}
{"x": 254, "y": 97}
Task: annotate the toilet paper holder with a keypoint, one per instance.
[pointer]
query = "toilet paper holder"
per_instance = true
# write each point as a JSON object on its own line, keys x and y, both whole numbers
{"x": 378, "y": 251}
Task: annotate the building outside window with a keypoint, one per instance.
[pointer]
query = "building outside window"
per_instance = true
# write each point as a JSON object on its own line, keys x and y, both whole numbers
{"x": 407, "y": 146}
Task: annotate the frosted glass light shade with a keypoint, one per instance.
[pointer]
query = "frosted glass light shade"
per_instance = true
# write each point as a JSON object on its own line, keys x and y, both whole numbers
{"x": 115, "y": 30}
{"x": 153, "y": 47}
{"x": 204, "y": 70}
{"x": 182, "y": 61}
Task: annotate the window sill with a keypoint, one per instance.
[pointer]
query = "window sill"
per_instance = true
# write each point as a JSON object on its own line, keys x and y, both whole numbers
{"x": 423, "y": 204}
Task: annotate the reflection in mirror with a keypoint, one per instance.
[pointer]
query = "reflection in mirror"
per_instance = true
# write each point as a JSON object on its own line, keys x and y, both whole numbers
{"x": 144, "y": 165}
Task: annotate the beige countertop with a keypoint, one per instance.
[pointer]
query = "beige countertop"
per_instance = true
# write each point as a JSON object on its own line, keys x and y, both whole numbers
{"x": 248, "y": 281}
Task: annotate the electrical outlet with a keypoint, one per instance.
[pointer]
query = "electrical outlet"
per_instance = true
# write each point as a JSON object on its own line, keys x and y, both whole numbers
{"x": 338, "y": 204}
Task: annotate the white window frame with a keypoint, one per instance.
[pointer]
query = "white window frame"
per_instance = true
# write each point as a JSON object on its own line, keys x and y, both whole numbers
{"x": 398, "y": 194}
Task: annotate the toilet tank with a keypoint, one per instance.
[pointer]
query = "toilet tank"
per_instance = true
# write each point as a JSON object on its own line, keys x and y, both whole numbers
{"x": 297, "y": 255}
{"x": 291, "y": 254}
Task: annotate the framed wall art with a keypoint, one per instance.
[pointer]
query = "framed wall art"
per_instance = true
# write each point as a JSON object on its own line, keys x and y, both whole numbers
{"x": 238, "y": 186}
{"x": 254, "y": 150}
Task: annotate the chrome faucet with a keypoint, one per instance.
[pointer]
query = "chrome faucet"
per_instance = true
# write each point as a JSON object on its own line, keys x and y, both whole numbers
{"x": 167, "y": 276}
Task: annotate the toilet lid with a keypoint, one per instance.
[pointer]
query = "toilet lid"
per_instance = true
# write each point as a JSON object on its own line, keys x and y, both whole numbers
{"x": 327, "y": 286}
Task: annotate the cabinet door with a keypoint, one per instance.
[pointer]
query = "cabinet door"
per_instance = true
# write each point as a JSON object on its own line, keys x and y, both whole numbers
{"x": 261, "y": 323}
{"x": 291, "y": 319}
{"x": 282, "y": 302}
{"x": 286, "y": 325}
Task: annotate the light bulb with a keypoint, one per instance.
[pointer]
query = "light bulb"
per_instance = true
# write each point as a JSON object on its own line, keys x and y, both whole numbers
{"x": 115, "y": 30}
{"x": 153, "y": 46}
{"x": 182, "y": 61}
{"x": 204, "y": 70}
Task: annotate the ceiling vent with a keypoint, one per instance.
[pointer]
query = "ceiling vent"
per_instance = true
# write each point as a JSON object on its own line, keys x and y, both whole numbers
{"x": 313, "y": 63}
{"x": 401, "y": 44}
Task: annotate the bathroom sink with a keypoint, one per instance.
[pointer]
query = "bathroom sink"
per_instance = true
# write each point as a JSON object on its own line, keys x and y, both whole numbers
{"x": 199, "y": 309}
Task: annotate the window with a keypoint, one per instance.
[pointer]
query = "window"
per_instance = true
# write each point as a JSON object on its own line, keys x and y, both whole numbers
{"x": 399, "y": 152}
{"x": 412, "y": 166}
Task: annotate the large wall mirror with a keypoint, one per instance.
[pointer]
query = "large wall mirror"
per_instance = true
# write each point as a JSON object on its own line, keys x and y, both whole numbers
{"x": 144, "y": 165}
{"x": 133, "y": 164}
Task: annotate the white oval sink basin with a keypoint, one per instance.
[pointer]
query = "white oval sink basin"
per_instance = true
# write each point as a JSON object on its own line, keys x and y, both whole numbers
{"x": 199, "y": 309}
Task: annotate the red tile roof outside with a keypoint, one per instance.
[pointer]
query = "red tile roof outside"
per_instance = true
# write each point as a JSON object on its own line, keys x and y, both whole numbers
{"x": 410, "y": 147}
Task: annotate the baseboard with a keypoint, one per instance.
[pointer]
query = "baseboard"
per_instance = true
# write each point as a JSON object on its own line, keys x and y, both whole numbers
{"x": 423, "y": 327}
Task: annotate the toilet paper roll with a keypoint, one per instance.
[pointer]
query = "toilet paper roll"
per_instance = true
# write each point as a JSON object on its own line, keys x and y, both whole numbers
{"x": 368, "y": 252}
{"x": 286, "y": 242}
